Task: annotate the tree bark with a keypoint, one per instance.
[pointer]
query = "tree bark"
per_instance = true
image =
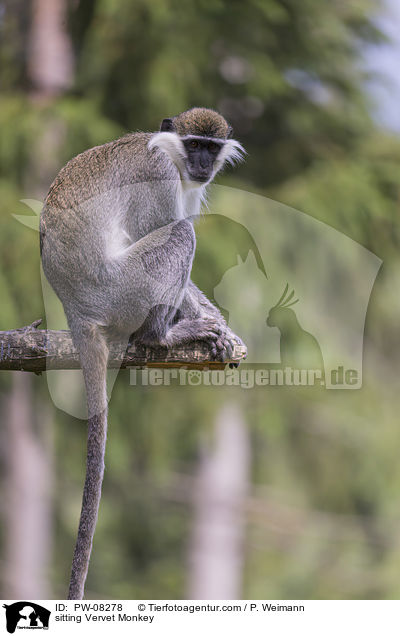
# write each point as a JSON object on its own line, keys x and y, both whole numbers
{"x": 37, "y": 350}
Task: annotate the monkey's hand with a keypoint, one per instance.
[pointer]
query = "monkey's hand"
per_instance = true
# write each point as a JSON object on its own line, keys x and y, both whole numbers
{"x": 221, "y": 339}
{"x": 209, "y": 329}
{"x": 232, "y": 341}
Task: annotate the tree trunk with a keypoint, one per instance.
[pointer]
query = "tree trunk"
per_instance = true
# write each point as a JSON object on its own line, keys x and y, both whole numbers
{"x": 216, "y": 546}
{"x": 28, "y": 495}
{"x": 50, "y": 61}
{"x": 29, "y": 477}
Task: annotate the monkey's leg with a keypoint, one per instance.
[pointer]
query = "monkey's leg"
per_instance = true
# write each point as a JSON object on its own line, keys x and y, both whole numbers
{"x": 151, "y": 281}
{"x": 93, "y": 354}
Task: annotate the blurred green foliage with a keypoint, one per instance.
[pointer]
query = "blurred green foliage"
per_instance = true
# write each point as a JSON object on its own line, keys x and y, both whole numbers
{"x": 287, "y": 76}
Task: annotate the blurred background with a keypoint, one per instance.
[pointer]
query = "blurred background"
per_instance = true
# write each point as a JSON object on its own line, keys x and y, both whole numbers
{"x": 214, "y": 492}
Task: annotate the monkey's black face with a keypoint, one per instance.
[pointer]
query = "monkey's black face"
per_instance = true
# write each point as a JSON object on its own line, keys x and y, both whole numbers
{"x": 201, "y": 153}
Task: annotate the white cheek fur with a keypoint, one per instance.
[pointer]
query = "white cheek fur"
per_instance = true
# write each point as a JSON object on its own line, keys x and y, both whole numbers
{"x": 232, "y": 152}
{"x": 170, "y": 143}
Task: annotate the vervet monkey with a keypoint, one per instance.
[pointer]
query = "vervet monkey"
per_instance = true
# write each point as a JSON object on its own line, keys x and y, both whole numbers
{"x": 117, "y": 244}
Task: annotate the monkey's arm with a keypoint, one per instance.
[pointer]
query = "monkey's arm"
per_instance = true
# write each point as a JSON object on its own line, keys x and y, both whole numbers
{"x": 196, "y": 305}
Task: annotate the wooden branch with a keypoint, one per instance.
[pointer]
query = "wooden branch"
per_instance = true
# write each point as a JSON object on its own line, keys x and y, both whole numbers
{"x": 37, "y": 350}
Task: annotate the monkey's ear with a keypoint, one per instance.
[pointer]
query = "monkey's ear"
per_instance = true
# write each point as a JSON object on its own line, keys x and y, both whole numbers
{"x": 230, "y": 132}
{"x": 167, "y": 125}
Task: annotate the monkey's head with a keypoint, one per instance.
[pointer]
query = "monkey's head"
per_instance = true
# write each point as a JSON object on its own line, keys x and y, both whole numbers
{"x": 199, "y": 143}
{"x": 202, "y": 122}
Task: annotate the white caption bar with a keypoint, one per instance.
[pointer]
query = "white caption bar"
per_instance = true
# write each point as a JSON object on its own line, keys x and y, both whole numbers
{"x": 194, "y": 617}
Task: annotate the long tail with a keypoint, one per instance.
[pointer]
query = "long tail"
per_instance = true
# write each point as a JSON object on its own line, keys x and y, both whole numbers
{"x": 93, "y": 354}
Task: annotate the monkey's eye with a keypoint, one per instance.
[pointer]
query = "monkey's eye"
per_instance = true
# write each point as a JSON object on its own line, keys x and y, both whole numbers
{"x": 194, "y": 143}
{"x": 212, "y": 147}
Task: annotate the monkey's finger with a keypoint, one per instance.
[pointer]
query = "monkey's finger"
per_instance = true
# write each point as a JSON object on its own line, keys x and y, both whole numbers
{"x": 229, "y": 350}
{"x": 213, "y": 350}
{"x": 217, "y": 329}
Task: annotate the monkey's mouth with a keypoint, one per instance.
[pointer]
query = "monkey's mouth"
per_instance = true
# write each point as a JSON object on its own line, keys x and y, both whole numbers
{"x": 199, "y": 178}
